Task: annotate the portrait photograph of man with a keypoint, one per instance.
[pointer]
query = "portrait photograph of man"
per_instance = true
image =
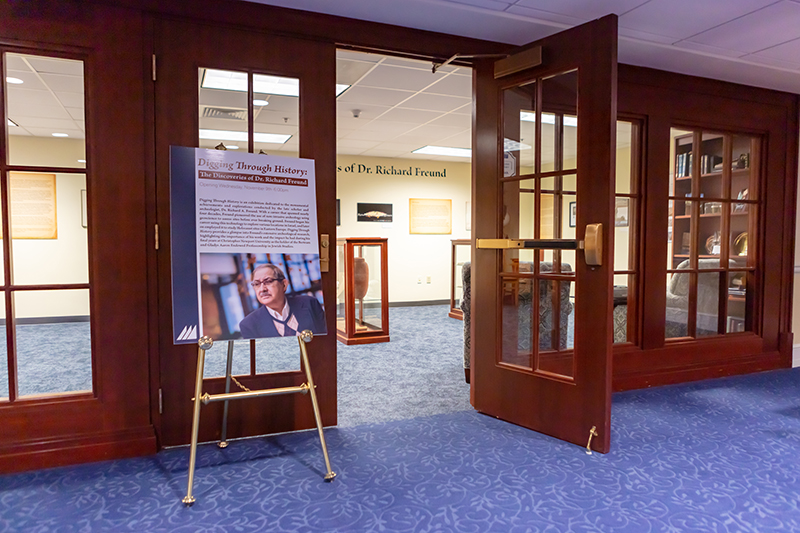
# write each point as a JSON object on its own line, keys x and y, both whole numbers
{"x": 280, "y": 315}
{"x": 254, "y": 296}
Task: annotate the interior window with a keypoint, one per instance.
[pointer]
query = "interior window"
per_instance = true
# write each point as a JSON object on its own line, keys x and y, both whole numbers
{"x": 714, "y": 202}
{"x": 46, "y": 344}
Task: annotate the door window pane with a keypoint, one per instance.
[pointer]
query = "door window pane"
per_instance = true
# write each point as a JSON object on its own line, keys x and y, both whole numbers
{"x": 48, "y": 220}
{"x": 45, "y": 111}
{"x": 53, "y": 342}
{"x": 626, "y": 209}
{"x": 517, "y": 322}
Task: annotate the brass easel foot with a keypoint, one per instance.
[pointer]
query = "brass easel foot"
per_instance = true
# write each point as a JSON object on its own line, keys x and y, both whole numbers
{"x": 329, "y": 476}
{"x": 222, "y": 444}
{"x": 188, "y": 500}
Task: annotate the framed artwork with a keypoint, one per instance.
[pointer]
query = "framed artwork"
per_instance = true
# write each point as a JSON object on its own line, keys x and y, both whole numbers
{"x": 374, "y": 212}
{"x": 573, "y": 214}
{"x": 338, "y": 215}
{"x": 430, "y": 216}
{"x": 621, "y": 212}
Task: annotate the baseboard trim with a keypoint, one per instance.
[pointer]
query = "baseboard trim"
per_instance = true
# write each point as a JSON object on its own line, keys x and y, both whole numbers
{"x": 73, "y": 450}
{"x": 48, "y": 320}
{"x": 419, "y": 303}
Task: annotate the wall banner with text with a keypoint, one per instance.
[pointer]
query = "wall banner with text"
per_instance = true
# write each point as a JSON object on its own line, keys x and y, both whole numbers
{"x": 245, "y": 247}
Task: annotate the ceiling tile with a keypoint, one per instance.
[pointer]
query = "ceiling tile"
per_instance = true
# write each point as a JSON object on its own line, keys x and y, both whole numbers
{"x": 374, "y": 96}
{"x": 765, "y": 28}
{"x": 62, "y": 83}
{"x": 462, "y": 122}
{"x": 453, "y": 85}
{"x": 354, "y": 144}
{"x": 538, "y": 14}
{"x": 494, "y": 5}
{"x": 47, "y": 132}
{"x": 53, "y": 65}
{"x": 669, "y": 18}
{"x": 349, "y": 71}
{"x": 412, "y": 116}
{"x": 390, "y": 76}
{"x": 434, "y": 102}
{"x": 20, "y": 109}
{"x": 385, "y": 127}
{"x": 582, "y": 9}
{"x": 74, "y": 100}
{"x": 788, "y": 52}
{"x": 344, "y": 111}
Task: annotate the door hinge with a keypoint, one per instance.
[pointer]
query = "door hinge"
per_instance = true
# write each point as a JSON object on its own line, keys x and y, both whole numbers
{"x": 160, "y": 403}
{"x": 157, "y": 242}
{"x": 154, "y": 67}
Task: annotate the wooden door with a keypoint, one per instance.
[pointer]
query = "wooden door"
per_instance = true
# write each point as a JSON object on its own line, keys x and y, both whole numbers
{"x": 186, "y": 58}
{"x": 544, "y": 142}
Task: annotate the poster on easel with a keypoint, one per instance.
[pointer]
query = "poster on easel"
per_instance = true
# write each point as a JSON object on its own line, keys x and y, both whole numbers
{"x": 245, "y": 247}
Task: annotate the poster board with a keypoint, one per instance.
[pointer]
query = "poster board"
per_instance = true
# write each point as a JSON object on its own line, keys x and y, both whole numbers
{"x": 241, "y": 219}
{"x": 430, "y": 217}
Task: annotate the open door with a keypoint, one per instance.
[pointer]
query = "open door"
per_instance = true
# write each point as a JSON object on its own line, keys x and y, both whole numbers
{"x": 543, "y": 186}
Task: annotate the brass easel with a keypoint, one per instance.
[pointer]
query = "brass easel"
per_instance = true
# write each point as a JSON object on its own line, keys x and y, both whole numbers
{"x": 204, "y": 344}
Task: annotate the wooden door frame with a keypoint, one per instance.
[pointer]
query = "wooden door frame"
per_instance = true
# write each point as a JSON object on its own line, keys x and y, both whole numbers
{"x": 485, "y": 333}
{"x": 181, "y": 48}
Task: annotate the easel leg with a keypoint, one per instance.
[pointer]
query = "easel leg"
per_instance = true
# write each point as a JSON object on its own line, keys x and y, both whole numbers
{"x": 204, "y": 344}
{"x": 305, "y": 337}
{"x": 223, "y": 442}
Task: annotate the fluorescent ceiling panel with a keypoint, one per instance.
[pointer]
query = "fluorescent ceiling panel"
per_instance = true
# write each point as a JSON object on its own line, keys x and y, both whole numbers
{"x": 547, "y": 118}
{"x": 237, "y": 81}
{"x": 228, "y": 135}
{"x": 444, "y": 150}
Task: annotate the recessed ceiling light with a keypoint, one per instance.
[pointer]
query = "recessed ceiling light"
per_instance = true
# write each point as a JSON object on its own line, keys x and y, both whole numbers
{"x": 443, "y": 150}
{"x": 60, "y": 135}
{"x": 260, "y": 102}
{"x": 12, "y": 123}
{"x": 237, "y": 81}
{"x": 15, "y": 81}
{"x": 227, "y": 135}
{"x": 231, "y": 147}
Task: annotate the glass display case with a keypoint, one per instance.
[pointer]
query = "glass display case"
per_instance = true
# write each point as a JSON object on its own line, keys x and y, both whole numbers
{"x": 460, "y": 253}
{"x": 362, "y": 290}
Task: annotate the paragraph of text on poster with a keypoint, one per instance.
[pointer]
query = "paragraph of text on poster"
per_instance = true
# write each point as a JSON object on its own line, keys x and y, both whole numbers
{"x": 259, "y": 209}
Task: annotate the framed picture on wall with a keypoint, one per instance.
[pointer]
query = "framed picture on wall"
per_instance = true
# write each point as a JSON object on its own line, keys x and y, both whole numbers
{"x": 374, "y": 213}
{"x": 338, "y": 216}
{"x": 573, "y": 214}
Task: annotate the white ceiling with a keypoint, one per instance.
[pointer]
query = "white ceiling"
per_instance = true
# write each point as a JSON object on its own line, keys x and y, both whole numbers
{"x": 754, "y": 42}
{"x": 395, "y": 105}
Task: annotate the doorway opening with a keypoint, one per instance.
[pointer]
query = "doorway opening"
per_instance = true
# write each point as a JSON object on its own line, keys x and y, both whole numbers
{"x": 404, "y": 177}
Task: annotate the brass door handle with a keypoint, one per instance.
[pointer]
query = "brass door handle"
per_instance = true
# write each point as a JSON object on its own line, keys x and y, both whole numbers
{"x": 592, "y": 244}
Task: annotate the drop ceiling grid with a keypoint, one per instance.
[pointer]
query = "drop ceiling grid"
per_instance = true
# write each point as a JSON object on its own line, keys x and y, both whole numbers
{"x": 424, "y": 116}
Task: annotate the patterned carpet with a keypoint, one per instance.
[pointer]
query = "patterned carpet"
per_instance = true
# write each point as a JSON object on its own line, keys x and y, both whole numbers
{"x": 715, "y": 456}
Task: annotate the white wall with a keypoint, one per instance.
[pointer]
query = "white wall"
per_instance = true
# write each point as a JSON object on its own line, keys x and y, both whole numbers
{"x": 411, "y": 257}
{"x": 61, "y": 260}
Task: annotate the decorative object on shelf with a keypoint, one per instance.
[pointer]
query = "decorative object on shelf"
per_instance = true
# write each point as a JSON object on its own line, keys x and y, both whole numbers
{"x": 573, "y": 214}
{"x": 686, "y": 242}
{"x": 742, "y": 195}
{"x": 712, "y": 244}
{"x": 740, "y": 244}
{"x": 743, "y": 161}
{"x": 712, "y": 208}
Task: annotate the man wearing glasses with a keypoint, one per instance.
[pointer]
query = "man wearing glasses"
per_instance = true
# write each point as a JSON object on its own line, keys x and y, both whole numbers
{"x": 280, "y": 316}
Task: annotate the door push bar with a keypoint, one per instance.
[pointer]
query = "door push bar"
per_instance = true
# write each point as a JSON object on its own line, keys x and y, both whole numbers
{"x": 592, "y": 244}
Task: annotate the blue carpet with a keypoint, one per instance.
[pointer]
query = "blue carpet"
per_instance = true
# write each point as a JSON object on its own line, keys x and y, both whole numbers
{"x": 715, "y": 456}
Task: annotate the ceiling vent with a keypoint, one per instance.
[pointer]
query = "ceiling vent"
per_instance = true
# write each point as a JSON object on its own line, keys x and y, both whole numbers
{"x": 220, "y": 112}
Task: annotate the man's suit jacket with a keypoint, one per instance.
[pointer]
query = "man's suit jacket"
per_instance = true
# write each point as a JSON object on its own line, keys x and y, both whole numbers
{"x": 306, "y": 309}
